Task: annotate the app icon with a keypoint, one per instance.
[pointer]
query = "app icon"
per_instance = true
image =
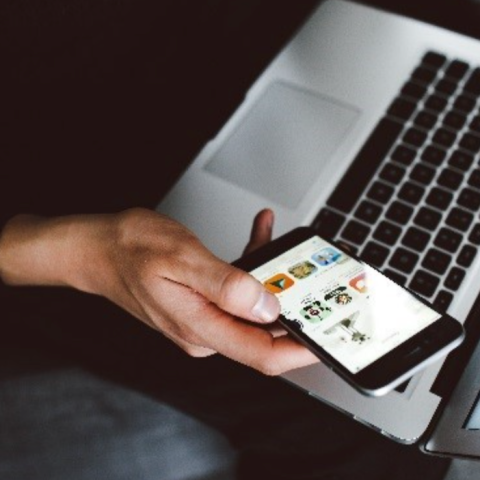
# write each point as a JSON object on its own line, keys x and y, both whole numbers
{"x": 315, "y": 311}
{"x": 326, "y": 256}
{"x": 359, "y": 283}
{"x": 340, "y": 296}
{"x": 278, "y": 283}
{"x": 302, "y": 270}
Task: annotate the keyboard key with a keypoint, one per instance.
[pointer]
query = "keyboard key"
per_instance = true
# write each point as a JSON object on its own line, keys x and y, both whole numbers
{"x": 404, "y": 260}
{"x": 402, "y": 108}
{"x": 456, "y": 70}
{"x": 475, "y": 124}
{"x": 411, "y": 193}
{"x": 328, "y": 223}
{"x": 425, "y": 120}
{"x": 424, "y": 283}
{"x": 445, "y": 138}
{"x": 368, "y": 212}
{"x": 455, "y": 278}
{"x": 459, "y": 219}
{"x": 355, "y": 232}
{"x": 461, "y": 160}
{"x": 474, "y": 179}
{"x": 448, "y": 240}
{"x": 434, "y": 60}
{"x": 375, "y": 254}
{"x": 415, "y": 137}
{"x": 443, "y": 301}
{"x": 470, "y": 142}
{"x": 414, "y": 90}
{"x": 422, "y": 173}
{"x": 392, "y": 173}
{"x": 404, "y": 154}
{"x": 387, "y": 233}
{"x": 436, "y": 261}
{"x": 436, "y": 103}
{"x": 424, "y": 75}
{"x": 364, "y": 166}
{"x": 470, "y": 199}
{"x": 454, "y": 120}
{"x": 439, "y": 198}
{"x": 446, "y": 87}
{"x": 464, "y": 104}
{"x": 450, "y": 179}
{"x": 399, "y": 212}
{"x": 473, "y": 83}
{"x": 434, "y": 155}
{"x": 395, "y": 276}
{"x": 474, "y": 236}
{"x": 428, "y": 218}
{"x": 381, "y": 192}
{"x": 466, "y": 256}
{"x": 416, "y": 239}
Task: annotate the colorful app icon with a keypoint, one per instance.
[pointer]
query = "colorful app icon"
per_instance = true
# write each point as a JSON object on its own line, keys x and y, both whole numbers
{"x": 359, "y": 283}
{"x": 316, "y": 311}
{"x": 327, "y": 256}
{"x": 302, "y": 270}
{"x": 278, "y": 283}
{"x": 340, "y": 296}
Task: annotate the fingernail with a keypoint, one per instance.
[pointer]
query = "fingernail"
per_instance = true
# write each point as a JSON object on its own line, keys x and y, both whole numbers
{"x": 267, "y": 308}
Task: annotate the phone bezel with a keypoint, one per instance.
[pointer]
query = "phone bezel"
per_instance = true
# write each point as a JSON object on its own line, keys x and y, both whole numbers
{"x": 394, "y": 367}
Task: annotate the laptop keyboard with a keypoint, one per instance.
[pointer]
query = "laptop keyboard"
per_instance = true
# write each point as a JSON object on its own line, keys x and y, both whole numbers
{"x": 409, "y": 203}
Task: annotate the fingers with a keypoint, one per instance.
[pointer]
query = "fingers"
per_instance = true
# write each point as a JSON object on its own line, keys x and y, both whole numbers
{"x": 261, "y": 230}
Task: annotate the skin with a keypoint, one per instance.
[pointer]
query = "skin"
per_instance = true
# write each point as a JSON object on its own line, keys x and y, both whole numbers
{"x": 157, "y": 270}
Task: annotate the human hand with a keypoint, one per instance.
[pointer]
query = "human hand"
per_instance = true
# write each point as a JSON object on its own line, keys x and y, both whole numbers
{"x": 158, "y": 271}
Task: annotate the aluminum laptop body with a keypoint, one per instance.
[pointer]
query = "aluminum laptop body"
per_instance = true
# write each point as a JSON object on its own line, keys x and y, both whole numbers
{"x": 288, "y": 146}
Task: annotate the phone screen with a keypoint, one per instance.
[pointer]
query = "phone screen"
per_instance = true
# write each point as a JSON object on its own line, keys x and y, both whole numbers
{"x": 348, "y": 308}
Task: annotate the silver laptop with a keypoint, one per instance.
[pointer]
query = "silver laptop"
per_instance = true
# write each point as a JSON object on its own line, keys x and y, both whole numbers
{"x": 366, "y": 126}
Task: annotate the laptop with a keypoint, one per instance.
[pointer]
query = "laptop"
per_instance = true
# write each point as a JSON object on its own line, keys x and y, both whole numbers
{"x": 367, "y": 127}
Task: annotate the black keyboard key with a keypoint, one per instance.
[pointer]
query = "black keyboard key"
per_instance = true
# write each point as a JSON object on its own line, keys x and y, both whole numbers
{"x": 414, "y": 90}
{"x": 459, "y": 219}
{"x": 434, "y": 155}
{"x": 436, "y": 103}
{"x": 411, "y": 193}
{"x": 415, "y": 137}
{"x": 473, "y": 83}
{"x": 395, "y": 276}
{"x": 368, "y": 212}
{"x": 354, "y": 182}
{"x": 434, "y": 60}
{"x": 422, "y": 173}
{"x": 402, "y": 108}
{"x": 456, "y": 70}
{"x": 469, "y": 198}
{"x": 466, "y": 256}
{"x": 381, "y": 192}
{"x": 436, "y": 261}
{"x": 461, "y": 160}
{"x": 425, "y": 120}
{"x": 328, "y": 223}
{"x": 450, "y": 179}
{"x": 454, "y": 120}
{"x": 374, "y": 254}
{"x": 474, "y": 179}
{"x": 387, "y": 233}
{"x": 355, "y": 232}
{"x": 448, "y": 240}
{"x": 404, "y": 260}
{"x": 424, "y": 75}
{"x": 404, "y": 154}
{"x": 424, "y": 283}
{"x": 446, "y": 87}
{"x": 399, "y": 212}
{"x": 439, "y": 198}
{"x": 392, "y": 173}
{"x": 443, "y": 301}
{"x": 471, "y": 143}
{"x": 445, "y": 138}
{"x": 474, "y": 236}
{"x": 475, "y": 124}
{"x": 427, "y": 218}
{"x": 464, "y": 104}
{"x": 455, "y": 278}
{"x": 416, "y": 239}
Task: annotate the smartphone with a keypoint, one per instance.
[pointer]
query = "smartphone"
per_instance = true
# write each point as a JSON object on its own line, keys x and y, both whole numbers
{"x": 371, "y": 331}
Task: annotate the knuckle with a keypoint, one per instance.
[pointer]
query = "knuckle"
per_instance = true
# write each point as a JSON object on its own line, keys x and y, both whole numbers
{"x": 231, "y": 286}
{"x": 269, "y": 367}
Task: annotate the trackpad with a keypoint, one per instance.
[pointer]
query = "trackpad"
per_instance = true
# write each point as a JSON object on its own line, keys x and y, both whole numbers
{"x": 280, "y": 148}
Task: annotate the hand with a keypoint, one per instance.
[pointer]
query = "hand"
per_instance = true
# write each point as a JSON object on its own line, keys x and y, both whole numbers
{"x": 158, "y": 271}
